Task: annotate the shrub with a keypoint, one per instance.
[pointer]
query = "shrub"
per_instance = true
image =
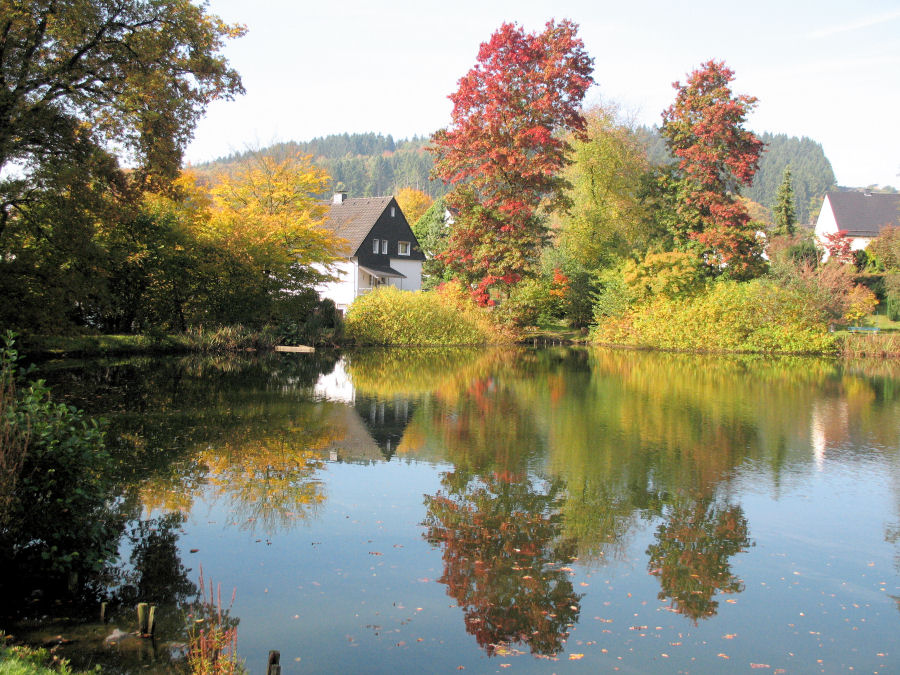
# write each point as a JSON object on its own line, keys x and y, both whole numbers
{"x": 673, "y": 274}
{"x": 57, "y": 523}
{"x": 754, "y": 316}
{"x": 388, "y": 316}
{"x": 230, "y": 338}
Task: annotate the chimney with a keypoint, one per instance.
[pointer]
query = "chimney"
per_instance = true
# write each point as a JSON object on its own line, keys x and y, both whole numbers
{"x": 339, "y": 197}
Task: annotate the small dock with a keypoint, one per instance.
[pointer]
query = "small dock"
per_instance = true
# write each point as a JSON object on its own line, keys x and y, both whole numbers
{"x": 295, "y": 349}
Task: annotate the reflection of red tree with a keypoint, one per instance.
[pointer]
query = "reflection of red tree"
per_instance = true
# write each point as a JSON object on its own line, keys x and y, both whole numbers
{"x": 502, "y": 560}
{"x": 691, "y": 555}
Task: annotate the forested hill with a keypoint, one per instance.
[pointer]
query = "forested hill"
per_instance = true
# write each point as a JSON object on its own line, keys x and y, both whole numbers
{"x": 365, "y": 165}
{"x": 811, "y": 171}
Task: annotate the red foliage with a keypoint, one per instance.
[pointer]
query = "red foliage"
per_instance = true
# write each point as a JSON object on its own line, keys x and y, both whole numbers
{"x": 502, "y": 150}
{"x": 704, "y": 130}
{"x": 838, "y": 246}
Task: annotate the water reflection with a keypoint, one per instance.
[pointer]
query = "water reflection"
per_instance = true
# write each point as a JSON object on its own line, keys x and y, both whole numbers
{"x": 504, "y": 559}
{"x": 692, "y": 554}
{"x": 545, "y": 457}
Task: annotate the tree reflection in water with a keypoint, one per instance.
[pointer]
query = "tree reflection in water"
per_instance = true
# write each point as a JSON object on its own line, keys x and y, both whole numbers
{"x": 692, "y": 554}
{"x": 504, "y": 559}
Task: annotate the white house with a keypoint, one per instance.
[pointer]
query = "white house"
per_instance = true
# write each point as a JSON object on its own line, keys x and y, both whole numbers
{"x": 862, "y": 215}
{"x": 381, "y": 248}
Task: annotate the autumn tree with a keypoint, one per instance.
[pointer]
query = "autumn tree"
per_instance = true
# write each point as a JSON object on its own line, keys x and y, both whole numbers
{"x": 784, "y": 210}
{"x": 715, "y": 155}
{"x": 414, "y": 203}
{"x": 504, "y": 150}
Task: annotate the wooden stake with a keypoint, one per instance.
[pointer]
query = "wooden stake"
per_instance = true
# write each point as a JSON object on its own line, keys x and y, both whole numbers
{"x": 274, "y": 667}
{"x": 142, "y": 618}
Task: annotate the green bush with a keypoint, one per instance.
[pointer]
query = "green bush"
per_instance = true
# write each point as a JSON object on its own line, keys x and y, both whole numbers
{"x": 388, "y": 316}
{"x": 754, "y": 316}
{"x": 57, "y": 522}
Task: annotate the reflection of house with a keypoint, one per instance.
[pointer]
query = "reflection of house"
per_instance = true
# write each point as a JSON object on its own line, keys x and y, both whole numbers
{"x": 862, "y": 215}
{"x": 381, "y": 248}
{"x": 372, "y": 428}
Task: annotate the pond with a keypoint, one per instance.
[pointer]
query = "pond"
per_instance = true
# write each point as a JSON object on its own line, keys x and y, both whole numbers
{"x": 536, "y": 511}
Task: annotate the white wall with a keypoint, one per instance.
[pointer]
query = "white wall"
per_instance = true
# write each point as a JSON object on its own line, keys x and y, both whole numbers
{"x": 342, "y": 291}
{"x": 413, "y": 271}
{"x": 827, "y": 224}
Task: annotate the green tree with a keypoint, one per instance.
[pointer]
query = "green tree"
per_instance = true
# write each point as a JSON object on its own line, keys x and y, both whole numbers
{"x": 136, "y": 72}
{"x": 784, "y": 209}
{"x": 607, "y": 219}
{"x": 432, "y": 231}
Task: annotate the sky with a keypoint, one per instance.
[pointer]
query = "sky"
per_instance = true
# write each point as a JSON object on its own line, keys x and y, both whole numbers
{"x": 823, "y": 69}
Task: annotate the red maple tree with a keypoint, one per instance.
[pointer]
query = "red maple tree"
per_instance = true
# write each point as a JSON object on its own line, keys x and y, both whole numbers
{"x": 716, "y": 155}
{"x": 837, "y": 244}
{"x": 503, "y": 150}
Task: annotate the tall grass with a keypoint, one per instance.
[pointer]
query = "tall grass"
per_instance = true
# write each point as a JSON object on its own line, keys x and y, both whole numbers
{"x": 212, "y": 634}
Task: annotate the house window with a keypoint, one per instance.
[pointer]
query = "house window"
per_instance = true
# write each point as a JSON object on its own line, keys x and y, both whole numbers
{"x": 393, "y": 211}
{"x": 402, "y": 248}
{"x": 384, "y": 246}
{"x": 375, "y": 245}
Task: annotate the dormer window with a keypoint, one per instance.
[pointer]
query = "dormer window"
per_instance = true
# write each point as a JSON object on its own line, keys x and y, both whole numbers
{"x": 402, "y": 248}
{"x": 384, "y": 246}
{"x": 375, "y": 244}
{"x": 393, "y": 212}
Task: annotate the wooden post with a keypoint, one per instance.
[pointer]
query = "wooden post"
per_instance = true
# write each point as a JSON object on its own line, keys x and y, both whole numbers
{"x": 103, "y": 612}
{"x": 274, "y": 667}
{"x": 142, "y": 618}
{"x": 151, "y": 621}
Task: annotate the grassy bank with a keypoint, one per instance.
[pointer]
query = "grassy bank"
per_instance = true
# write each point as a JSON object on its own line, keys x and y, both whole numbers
{"x": 20, "y": 660}
{"x": 225, "y": 339}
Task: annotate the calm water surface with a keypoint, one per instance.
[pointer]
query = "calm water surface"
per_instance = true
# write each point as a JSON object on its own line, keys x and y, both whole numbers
{"x": 530, "y": 511}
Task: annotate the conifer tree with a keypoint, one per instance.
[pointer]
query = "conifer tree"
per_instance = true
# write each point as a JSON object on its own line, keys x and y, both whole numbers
{"x": 784, "y": 211}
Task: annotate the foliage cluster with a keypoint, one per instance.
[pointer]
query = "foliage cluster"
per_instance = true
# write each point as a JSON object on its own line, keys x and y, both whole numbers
{"x": 755, "y": 316}
{"x": 56, "y": 522}
{"x": 388, "y": 316}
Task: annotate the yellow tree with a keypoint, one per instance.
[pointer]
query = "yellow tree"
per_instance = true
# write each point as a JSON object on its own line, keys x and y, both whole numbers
{"x": 413, "y": 203}
{"x": 267, "y": 212}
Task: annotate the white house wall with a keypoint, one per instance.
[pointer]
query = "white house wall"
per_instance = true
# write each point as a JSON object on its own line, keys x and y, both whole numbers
{"x": 827, "y": 224}
{"x": 343, "y": 291}
{"x": 412, "y": 269}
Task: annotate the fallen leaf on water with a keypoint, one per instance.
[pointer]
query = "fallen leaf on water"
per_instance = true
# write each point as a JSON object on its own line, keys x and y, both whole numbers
{"x": 575, "y": 657}
{"x": 505, "y": 665}
{"x": 760, "y": 665}
{"x": 583, "y": 584}
{"x": 730, "y": 636}
{"x": 723, "y": 656}
{"x": 374, "y": 553}
{"x": 731, "y": 601}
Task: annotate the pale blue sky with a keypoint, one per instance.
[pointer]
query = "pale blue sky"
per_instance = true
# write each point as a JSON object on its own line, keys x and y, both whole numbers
{"x": 828, "y": 70}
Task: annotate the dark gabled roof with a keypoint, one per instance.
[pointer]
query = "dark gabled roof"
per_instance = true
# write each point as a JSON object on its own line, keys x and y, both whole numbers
{"x": 353, "y": 218}
{"x": 863, "y": 214}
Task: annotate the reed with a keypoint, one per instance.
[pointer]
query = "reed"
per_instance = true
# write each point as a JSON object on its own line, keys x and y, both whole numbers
{"x": 212, "y": 634}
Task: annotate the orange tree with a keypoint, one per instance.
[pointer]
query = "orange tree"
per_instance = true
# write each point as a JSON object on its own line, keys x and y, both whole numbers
{"x": 715, "y": 156}
{"x": 503, "y": 152}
